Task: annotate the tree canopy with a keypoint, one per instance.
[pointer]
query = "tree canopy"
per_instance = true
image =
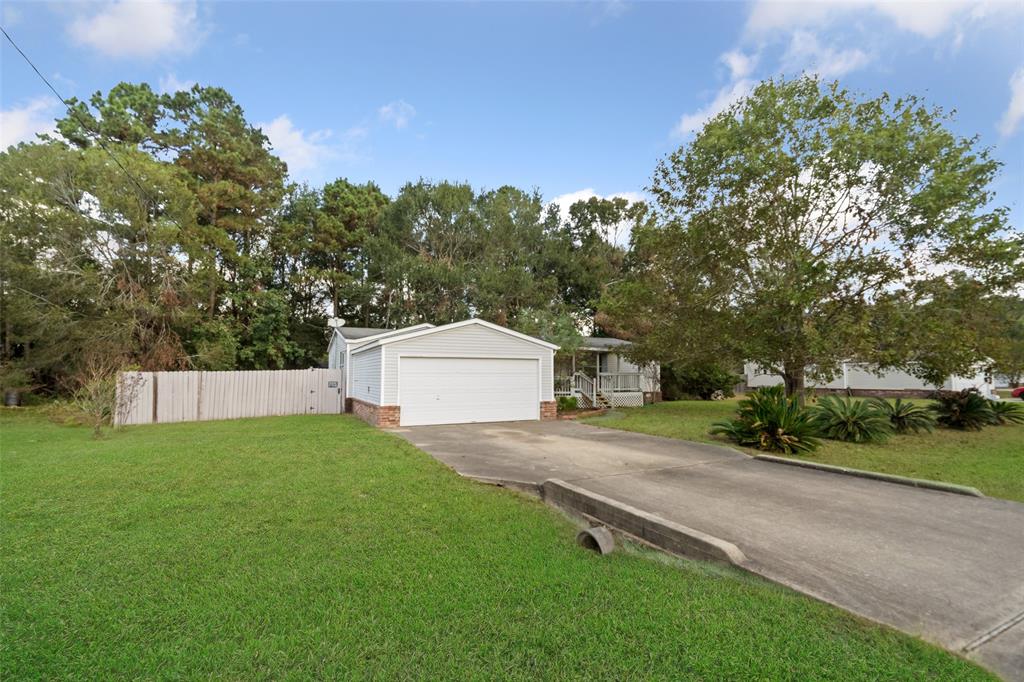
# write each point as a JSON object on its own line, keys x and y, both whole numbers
{"x": 199, "y": 253}
{"x": 805, "y": 225}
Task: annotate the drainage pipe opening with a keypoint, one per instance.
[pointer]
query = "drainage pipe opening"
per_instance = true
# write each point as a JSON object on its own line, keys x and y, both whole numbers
{"x": 598, "y": 539}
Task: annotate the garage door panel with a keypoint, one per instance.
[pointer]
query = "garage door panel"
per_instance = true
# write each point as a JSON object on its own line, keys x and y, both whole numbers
{"x": 465, "y": 390}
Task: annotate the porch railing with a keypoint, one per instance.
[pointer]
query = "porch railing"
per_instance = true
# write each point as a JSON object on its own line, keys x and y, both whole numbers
{"x": 619, "y": 382}
{"x": 584, "y": 386}
{"x": 606, "y": 382}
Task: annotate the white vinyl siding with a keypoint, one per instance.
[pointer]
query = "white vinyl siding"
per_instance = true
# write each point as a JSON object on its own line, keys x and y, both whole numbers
{"x": 366, "y": 376}
{"x": 335, "y": 352}
{"x": 615, "y": 363}
{"x": 443, "y": 390}
{"x": 470, "y": 341}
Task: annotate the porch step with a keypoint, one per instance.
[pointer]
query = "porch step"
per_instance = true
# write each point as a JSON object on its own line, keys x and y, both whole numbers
{"x": 603, "y": 402}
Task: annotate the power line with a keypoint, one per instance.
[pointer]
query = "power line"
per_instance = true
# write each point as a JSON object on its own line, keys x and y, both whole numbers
{"x": 99, "y": 136}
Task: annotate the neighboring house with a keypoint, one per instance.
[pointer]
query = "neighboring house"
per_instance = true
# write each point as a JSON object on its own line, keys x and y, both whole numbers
{"x": 598, "y": 374}
{"x": 469, "y": 371}
{"x": 856, "y": 378}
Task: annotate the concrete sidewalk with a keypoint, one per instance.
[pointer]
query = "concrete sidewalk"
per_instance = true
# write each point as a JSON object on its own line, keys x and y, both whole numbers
{"x": 945, "y": 567}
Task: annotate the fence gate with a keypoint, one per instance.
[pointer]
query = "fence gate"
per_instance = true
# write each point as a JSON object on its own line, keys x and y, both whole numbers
{"x": 163, "y": 397}
{"x": 324, "y": 392}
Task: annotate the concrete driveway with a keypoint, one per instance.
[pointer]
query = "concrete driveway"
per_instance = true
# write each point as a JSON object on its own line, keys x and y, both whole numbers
{"x": 948, "y": 568}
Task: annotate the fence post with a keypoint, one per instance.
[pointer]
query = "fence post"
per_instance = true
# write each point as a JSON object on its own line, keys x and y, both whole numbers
{"x": 199, "y": 398}
{"x": 156, "y": 395}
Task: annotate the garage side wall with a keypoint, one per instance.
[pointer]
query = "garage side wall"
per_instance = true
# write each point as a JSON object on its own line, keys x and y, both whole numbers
{"x": 366, "y": 376}
{"x": 469, "y": 342}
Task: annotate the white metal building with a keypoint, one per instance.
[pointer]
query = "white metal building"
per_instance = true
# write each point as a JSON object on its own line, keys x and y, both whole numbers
{"x": 860, "y": 377}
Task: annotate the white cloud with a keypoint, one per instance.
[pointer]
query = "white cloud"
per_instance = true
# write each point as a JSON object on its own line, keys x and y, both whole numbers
{"x": 300, "y": 150}
{"x": 618, "y": 234}
{"x": 692, "y": 122}
{"x": 740, "y": 64}
{"x": 127, "y": 28}
{"x": 1015, "y": 110}
{"x": 397, "y": 113}
{"x": 609, "y": 10}
{"x": 809, "y": 36}
{"x": 928, "y": 19}
{"x": 21, "y": 124}
{"x": 923, "y": 18}
{"x": 11, "y": 16}
{"x": 170, "y": 84}
{"x": 766, "y": 17}
{"x": 806, "y": 53}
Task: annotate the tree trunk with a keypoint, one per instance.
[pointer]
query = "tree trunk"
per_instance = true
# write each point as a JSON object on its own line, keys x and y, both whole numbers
{"x": 793, "y": 375}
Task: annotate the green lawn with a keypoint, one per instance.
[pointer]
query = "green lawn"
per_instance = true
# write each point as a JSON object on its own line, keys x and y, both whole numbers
{"x": 300, "y": 547}
{"x": 991, "y": 460}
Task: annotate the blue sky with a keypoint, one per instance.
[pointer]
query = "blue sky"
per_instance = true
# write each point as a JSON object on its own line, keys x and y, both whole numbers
{"x": 569, "y": 98}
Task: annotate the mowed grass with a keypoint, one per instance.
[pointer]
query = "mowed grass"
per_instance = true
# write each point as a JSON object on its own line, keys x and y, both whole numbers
{"x": 991, "y": 460}
{"x": 298, "y": 547}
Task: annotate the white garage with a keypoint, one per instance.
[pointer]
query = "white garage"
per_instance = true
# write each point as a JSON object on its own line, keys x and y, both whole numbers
{"x": 465, "y": 372}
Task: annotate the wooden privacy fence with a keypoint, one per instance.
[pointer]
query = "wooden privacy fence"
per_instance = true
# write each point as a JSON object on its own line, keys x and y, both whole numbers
{"x": 162, "y": 397}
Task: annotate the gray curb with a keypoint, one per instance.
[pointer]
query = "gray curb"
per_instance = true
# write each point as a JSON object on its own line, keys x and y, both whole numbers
{"x": 888, "y": 478}
{"x": 523, "y": 486}
{"x": 664, "y": 534}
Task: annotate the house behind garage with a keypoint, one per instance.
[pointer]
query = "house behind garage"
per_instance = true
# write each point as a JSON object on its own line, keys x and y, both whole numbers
{"x": 469, "y": 371}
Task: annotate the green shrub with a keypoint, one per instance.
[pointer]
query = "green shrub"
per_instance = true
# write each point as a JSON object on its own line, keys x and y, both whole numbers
{"x": 966, "y": 410}
{"x": 768, "y": 420}
{"x": 852, "y": 421}
{"x": 1005, "y": 412}
{"x": 681, "y": 383}
{"x": 905, "y": 416}
{"x": 567, "y": 403}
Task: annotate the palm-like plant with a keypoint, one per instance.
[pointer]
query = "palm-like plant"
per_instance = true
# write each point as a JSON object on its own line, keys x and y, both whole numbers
{"x": 853, "y": 421}
{"x": 768, "y": 420}
{"x": 966, "y": 410}
{"x": 905, "y": 416}
{"x": 1005, "y": 412}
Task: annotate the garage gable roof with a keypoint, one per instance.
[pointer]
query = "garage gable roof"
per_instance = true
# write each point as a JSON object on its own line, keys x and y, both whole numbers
{"x": 380, "y": 333}
{"x": 413, "y": 333}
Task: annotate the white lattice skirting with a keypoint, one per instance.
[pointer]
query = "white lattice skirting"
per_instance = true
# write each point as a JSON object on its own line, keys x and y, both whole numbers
{"x": 631, "y": 399}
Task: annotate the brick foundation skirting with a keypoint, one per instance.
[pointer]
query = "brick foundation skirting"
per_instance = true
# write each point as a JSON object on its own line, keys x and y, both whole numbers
{"x": 548, "y": 410}
{"x": 383, "y": 416}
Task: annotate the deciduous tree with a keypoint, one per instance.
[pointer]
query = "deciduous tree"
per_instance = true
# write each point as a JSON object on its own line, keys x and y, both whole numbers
{"x": 785, "y": 222}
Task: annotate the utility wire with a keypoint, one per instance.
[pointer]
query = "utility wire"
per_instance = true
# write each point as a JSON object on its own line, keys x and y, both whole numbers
{"x": 99, "y": 136}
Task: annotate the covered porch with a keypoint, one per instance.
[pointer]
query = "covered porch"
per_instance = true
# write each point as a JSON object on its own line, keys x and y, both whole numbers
{"x": 598, "y": 375}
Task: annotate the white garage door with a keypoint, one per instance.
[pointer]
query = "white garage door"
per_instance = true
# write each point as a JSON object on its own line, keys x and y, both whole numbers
{"x": 463, "y": 390}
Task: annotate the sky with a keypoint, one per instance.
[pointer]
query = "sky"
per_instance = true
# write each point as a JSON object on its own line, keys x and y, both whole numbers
{"x": 571, "y": 99}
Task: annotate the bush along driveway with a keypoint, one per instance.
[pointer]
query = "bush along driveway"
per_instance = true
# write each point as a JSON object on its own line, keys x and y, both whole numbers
{"x": 939, "y": 565}
{"x": 300, "y": 547}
